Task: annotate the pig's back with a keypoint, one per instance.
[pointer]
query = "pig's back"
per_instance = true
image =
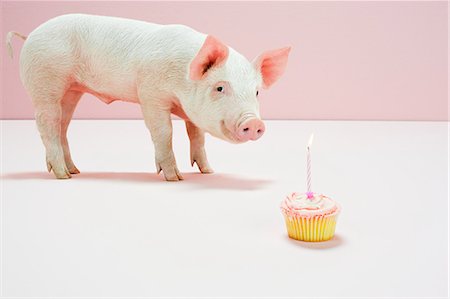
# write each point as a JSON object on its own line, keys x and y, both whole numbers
{"x": 113, "y": 36}
{"x": 103, "y": 51}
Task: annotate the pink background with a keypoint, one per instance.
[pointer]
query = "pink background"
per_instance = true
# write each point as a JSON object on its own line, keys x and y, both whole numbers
{"x": 350, "y": 60}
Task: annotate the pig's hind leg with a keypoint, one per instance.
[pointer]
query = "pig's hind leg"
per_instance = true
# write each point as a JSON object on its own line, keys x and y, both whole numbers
{"x": 46, "y": 72}
{"x": 68, "y": 104}
{"x": 198, "y": 154}
{"x": 47, "y": 101}
{"x": 48, "y": 119}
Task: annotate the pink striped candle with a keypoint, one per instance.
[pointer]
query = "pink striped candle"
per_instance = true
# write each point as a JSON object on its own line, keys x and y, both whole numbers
{"x": 309, "y": 193}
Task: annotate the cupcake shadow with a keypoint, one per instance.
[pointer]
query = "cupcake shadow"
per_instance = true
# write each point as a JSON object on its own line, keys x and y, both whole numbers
{"x": 336, "y": 241}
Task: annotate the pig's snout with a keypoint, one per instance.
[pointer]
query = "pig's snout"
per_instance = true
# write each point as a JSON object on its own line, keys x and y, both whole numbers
{"x": 250, "y": 129}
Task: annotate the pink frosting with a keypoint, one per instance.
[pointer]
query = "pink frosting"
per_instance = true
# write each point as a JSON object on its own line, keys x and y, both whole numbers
{"x": 300, "y": 204}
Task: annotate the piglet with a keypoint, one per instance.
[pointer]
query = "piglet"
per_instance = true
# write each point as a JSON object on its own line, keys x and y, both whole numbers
{"x": 167, "y": 69}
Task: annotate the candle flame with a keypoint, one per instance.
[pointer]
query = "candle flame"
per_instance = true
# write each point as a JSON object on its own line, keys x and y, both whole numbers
{"x": 311, "y": 138}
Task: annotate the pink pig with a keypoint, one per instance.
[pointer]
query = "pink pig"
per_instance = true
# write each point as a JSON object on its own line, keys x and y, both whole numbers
{"x": 167, "y": 69}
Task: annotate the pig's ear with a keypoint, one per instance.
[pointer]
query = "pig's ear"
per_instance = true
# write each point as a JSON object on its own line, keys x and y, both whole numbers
{"x": 272, "y": 64}
{"x": 212, "y": 54}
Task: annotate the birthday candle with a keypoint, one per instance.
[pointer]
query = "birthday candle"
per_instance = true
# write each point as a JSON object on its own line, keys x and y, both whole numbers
{"x": 308, "y": 167}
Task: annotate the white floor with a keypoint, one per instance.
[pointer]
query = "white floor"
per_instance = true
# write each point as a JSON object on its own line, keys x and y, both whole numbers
{"x": 117, "y": 229}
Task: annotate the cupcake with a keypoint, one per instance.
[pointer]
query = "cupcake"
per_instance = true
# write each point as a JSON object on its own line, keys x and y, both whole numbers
{"x": 310, "y": 216}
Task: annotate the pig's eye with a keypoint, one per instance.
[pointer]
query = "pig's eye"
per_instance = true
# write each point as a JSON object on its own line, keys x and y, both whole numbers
{"x": 257, "y": 93}
{"x": 220, "y": 89}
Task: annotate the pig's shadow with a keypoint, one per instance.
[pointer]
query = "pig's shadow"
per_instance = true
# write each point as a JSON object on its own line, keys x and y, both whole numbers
{"x": 210, "y": 181}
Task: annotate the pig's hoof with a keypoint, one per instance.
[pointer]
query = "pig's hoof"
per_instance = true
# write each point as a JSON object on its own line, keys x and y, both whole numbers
{"x": 202, "y": 163}
{"x": 74, "y": 170}
{"x": 60, "y": 172}
{"x": 203, "y": 166}
{"x": 169, "y": 167}
{"x": 174, "y": 179}
{"x": 206, "y": 170}
{"x": 171, "y": 173}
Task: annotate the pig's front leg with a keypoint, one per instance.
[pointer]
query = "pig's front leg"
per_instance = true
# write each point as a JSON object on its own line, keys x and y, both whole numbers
{"x": 198, "y": 154}
{"x": 157, "y": 119}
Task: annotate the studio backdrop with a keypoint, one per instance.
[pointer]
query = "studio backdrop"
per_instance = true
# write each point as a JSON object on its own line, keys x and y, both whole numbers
{"x": 349, "y": 60}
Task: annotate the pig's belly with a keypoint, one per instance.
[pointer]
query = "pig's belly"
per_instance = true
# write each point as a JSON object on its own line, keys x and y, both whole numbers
{"x": 105, "y": 97}
{"x": 176, "y": 107}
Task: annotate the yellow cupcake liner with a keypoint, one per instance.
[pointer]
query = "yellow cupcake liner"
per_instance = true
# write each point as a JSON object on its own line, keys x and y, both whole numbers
{"x": 311, "y": 229}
